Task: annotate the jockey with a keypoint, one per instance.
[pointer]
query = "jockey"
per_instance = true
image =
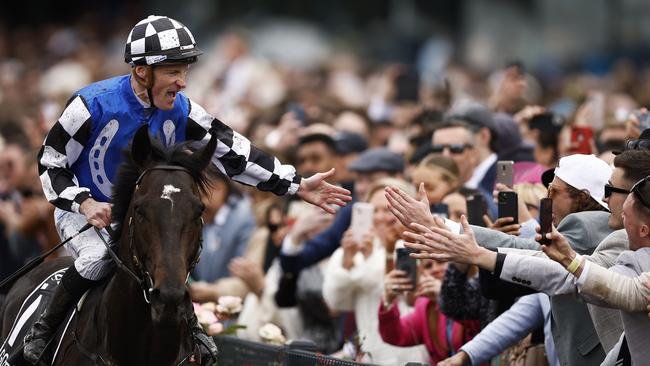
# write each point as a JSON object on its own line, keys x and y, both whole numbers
{"x": 81, "y": 153}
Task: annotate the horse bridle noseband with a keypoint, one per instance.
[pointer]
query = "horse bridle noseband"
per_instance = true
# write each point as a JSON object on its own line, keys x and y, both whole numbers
{"x": 144, "y": 279}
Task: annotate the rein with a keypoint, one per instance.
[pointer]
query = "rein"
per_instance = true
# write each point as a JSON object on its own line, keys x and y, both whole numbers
{"x": 144, "y": 280}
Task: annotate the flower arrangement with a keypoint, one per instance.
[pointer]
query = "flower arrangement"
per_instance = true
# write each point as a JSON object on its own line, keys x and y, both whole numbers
{"x": 211, "y": 315}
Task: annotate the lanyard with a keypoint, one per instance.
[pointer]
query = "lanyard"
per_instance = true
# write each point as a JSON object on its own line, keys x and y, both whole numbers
{"x": 450, "y": 329}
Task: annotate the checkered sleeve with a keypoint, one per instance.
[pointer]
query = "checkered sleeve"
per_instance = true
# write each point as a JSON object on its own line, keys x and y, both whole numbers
{"x": 61, "y": 149}
{"x": 236, "y": 157}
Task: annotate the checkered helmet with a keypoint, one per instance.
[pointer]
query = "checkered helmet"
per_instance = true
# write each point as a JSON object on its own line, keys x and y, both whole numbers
{"x": 158, "y": 39}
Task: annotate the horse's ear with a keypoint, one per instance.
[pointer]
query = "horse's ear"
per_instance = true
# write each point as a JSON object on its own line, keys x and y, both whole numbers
{"x": 141, "y": 146}
{"x": 205, "y": 154}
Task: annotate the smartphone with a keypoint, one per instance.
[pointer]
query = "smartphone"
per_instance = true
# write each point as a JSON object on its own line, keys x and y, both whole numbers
{"x": 505, "y": 172}
{"x": 581, "y": 137}
{"x": 404, "y": 262}
{"x": 545, "y": 219}
{"x": 507, "y": 205}
{"x": 298, "y": 112}
{"x": 476, "y": 208}
{"x": 407, "y": 86}
{"x": 361, "y": 223}
{"x": 440, "y": 210}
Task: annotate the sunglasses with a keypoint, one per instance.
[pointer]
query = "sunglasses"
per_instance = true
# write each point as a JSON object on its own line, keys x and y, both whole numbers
{"x": 453, "y": 148}
{"x": 609, "y": 189}
{"x": 637, "y": 145}
{"x": 640, "y": 190}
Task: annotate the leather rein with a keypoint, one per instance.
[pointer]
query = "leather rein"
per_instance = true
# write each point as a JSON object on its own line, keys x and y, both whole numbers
{"x": 143, "y": 279}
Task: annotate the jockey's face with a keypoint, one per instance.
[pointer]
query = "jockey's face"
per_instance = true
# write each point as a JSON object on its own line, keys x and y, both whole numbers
{"x": 168, "y": 81}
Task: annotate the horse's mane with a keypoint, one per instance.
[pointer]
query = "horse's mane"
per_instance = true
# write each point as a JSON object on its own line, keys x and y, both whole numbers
{"x": 129, "y": 172}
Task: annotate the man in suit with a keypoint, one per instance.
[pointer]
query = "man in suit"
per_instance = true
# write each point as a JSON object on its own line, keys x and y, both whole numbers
{"x": 468, "y": 136}
{"x": 577, "y": 185}
{"x": 630, "y": 167}
{"x": 603, "y": 289}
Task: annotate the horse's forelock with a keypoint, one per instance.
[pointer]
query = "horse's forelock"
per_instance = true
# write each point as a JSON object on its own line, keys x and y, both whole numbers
{"x": 129, "y": 172}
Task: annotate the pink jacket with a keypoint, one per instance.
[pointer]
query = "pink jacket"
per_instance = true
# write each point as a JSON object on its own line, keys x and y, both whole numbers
{"x": 413, "y": 329}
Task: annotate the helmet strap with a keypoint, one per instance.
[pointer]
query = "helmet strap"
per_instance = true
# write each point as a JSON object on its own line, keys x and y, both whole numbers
{"x": 146, "y": 82}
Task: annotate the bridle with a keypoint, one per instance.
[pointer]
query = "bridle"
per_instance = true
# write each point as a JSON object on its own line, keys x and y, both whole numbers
{"x": 143, "y": 278}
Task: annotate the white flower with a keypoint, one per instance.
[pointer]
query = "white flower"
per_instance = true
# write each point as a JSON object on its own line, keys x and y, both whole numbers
{"x": 229, "y": 305}
{"x": 271, "y": 333}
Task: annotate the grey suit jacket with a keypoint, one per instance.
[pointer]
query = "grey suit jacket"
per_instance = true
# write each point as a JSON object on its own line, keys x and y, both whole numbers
{"x": 574, "y": 335}
{"x": 550, "y": 277}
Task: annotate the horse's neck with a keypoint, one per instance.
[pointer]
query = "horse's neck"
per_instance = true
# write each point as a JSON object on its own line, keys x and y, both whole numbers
{"x": 130, "y": 332}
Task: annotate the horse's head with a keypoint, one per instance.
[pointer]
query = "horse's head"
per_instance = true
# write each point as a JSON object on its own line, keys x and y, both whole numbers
{"x": 161, "y": 227}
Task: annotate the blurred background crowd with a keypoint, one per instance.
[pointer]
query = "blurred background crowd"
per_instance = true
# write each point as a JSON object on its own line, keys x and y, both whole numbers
{"x": 390, "y": 93}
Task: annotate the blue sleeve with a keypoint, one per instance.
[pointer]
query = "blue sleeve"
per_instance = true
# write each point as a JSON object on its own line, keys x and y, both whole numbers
{"x": 245, "y": 233}
{"x": 321, "y": 246}
{"x": 523, "y": 317}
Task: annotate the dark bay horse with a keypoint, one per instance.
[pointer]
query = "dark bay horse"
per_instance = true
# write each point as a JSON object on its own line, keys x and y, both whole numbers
{"x": 138, "y": 316}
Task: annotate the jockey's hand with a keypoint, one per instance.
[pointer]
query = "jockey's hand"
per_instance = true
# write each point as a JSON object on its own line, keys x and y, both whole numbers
{"x": 317, "y": 191}
{"x": 98, "y": 214}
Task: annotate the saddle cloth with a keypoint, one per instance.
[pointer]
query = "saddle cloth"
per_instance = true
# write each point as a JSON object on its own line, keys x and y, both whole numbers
{"x": 11, "y": 352}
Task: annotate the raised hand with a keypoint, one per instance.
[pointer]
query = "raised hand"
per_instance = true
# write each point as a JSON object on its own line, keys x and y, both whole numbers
{"x": 408, "y": 209}
{"x": 443, "y": 245}
{"x": 559, "y": 250}
{"x": 318, "y": 192}
{"x": 396, "y": 282}
{"x": 504, "y": 224}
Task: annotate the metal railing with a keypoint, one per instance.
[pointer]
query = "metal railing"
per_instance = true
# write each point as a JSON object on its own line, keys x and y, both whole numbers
{"x": 239, "y": 352}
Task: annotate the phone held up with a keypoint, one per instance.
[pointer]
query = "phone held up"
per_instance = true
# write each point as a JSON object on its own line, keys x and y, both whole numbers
{"x": 476, "y": 208}
{"x": 581, "y": 139}
{"x": 404, "y": 262}
{"x": 505, "y": 173}
{"x": 361, "y": 223}
{"x": 507, "y": 205}
{"x": 545, "y": 219}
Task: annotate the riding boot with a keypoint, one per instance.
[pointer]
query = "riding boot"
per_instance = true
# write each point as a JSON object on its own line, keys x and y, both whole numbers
{"x": 206, "y": 344}
{"x": 68, "y": 292}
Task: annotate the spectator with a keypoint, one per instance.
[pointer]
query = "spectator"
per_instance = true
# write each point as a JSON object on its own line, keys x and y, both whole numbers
{"x": 469, "y": 137}
{"x": 439, "y": 174}
{"x": 229, "y": 224}
{"x": 353, "y": 278}
{"x": 426, "y": 324}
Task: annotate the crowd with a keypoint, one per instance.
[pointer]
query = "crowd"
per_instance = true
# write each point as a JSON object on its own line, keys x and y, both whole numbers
{"x": 417, "y": 156}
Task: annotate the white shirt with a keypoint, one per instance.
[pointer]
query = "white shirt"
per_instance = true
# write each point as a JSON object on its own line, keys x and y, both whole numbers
{"x": 480, "y": 171}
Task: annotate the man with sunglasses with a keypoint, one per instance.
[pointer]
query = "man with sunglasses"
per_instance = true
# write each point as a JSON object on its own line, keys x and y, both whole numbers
{"x": 620, "y": 286}
{"x": 468, "y": 136}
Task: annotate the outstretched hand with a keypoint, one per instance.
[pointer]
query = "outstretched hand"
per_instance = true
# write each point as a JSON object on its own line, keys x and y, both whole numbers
{"x": 443, "y": 245}
{"x": 559, "y": 250}
{"x": 408, "y": 209}
{"x": 318, "y": 192}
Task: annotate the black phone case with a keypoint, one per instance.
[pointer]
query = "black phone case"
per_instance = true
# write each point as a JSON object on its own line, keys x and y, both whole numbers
{"x": 545, "y": 219}
{"x": 476, "y": 208}
{"x": 404, "y": 262}
{"x": 507, "y": 204}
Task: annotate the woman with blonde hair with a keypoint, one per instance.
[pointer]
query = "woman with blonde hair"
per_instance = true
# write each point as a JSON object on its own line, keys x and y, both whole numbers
{"x": 354, "y": 277}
